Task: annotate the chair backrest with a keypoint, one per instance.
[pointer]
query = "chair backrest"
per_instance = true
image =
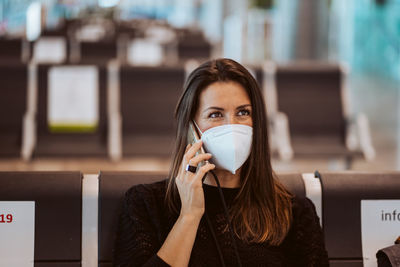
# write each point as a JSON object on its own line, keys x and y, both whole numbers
{"x": 97, "y": 52}
{"x": 148, "y": 99}
{"x": 58, "y": 197}
{"x": 11, "y": 50}
{"x": 58, "y": 212}
{"x": 14, "y": 81}
{"x": 70, "y": 144}
{"x": 341, "y": 197}
{"x": 310, "y": 95}
{"x": 193, "y": 45}
{"x": 112, "y": 187}
{"x": 294, "y": 183}
{"x": 194, "y": 50}
{"x": 58, "y": 209}
{"x": 59, "y": 31}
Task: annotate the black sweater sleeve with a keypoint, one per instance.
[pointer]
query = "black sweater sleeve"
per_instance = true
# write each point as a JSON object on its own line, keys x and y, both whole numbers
{"x": 305, "y": 242}
{"x": 136, "y": 241}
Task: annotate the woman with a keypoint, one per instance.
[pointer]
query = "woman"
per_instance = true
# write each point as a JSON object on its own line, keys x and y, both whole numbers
{"x": 182, "y": 221}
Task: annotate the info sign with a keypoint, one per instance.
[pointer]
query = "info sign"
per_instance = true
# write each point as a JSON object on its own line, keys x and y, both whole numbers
{"x": 17, "y": 232}
{"x": 380, "y": 227}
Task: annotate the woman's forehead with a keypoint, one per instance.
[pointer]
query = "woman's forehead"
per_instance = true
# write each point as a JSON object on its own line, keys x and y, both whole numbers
{"x": 222, "y": 93}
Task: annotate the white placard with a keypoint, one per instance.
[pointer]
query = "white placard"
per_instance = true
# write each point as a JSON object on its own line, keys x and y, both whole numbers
{"x": 145, "y": 52}
{"x": 50, "y": 50}
{"x": 73, "y": 99}
{"x": 380, "y": 226}
{"x": 17, "y": 232}
{"x": 159, "y": 34}
{"x": 91, "y": 33}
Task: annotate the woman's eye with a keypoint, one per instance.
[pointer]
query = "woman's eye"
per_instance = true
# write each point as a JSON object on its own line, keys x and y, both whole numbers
{"x": 215, "y": 115}
{"x": 244, "y": 112}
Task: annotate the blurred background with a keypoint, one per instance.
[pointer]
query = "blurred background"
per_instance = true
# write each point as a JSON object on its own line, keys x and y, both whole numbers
{"x": 92, "y": 85}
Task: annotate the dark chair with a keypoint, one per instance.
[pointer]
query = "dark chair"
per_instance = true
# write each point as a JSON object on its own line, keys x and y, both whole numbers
{"x": 112, "y": 187}
{"x": 313, "y": 98}
{"x": 193, "y": 45}
{"x": 59, "y": 31}
{"x": 99, "y": 52}
{"x": 148, "y": 99}
{"x": 13, "y": 51}
{"x": 341, "y": 201}
{"x": 49, "y": 144}
{"x": 13, "y": 104}
{"x": 58, "y": 213}
{"x": 294, "y": 183}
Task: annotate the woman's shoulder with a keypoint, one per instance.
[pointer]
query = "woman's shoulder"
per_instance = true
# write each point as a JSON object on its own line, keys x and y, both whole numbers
{"x": 304, "y": 212}
{"x": 302, "y": 205}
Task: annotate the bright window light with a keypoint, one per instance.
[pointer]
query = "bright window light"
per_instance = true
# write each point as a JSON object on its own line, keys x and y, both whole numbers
{"x": 108, "y": 3}
{"x": 33, "y": 21}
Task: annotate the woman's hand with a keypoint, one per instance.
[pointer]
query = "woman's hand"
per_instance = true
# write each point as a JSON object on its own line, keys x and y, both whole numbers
{"x": 190, "y": 184}
{"x": 177, "y": 247}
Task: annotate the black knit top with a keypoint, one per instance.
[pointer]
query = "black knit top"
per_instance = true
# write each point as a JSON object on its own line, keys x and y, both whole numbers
{"x": 145, "y": 223}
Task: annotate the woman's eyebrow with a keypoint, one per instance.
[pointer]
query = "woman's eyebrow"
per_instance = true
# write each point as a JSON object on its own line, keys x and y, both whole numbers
{"x": 243, "y": 106}
{"x": 217, "y": 108}
{"x": 221, "y": 109}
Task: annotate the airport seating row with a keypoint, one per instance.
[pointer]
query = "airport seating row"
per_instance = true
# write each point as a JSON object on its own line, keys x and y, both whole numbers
{"x": 307, "y": 106}
{"x": 146, "y": 104}
{"x": 76, "y": 214}
{"x": 164, "y": 46}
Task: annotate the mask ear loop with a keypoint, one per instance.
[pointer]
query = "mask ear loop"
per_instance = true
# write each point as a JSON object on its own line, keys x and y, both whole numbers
{"x": 210, "y": 227}
{"x": 221, "y": 196}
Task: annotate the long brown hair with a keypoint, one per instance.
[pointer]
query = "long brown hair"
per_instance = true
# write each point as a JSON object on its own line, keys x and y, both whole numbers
{"x": 262, "y": 209}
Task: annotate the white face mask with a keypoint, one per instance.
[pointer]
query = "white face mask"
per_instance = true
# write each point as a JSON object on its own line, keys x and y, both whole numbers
{"x": 229, "y": 145}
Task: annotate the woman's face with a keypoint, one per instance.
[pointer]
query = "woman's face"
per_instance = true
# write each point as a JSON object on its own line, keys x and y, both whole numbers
{"x": 223, "y": 103}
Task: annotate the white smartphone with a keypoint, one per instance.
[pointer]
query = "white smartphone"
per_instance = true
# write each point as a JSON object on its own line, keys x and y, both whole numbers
{"x": 193, "y": 137}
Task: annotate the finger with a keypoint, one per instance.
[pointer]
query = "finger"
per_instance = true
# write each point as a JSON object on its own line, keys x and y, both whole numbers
{"x": 196, "y": 159}
{"x": 203, "y": 170}
{"x": 194, "y": 162}
{"x": 187, "y": 147}
{"x": 192, "y": 151}
{"x": 183, "y": 163}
